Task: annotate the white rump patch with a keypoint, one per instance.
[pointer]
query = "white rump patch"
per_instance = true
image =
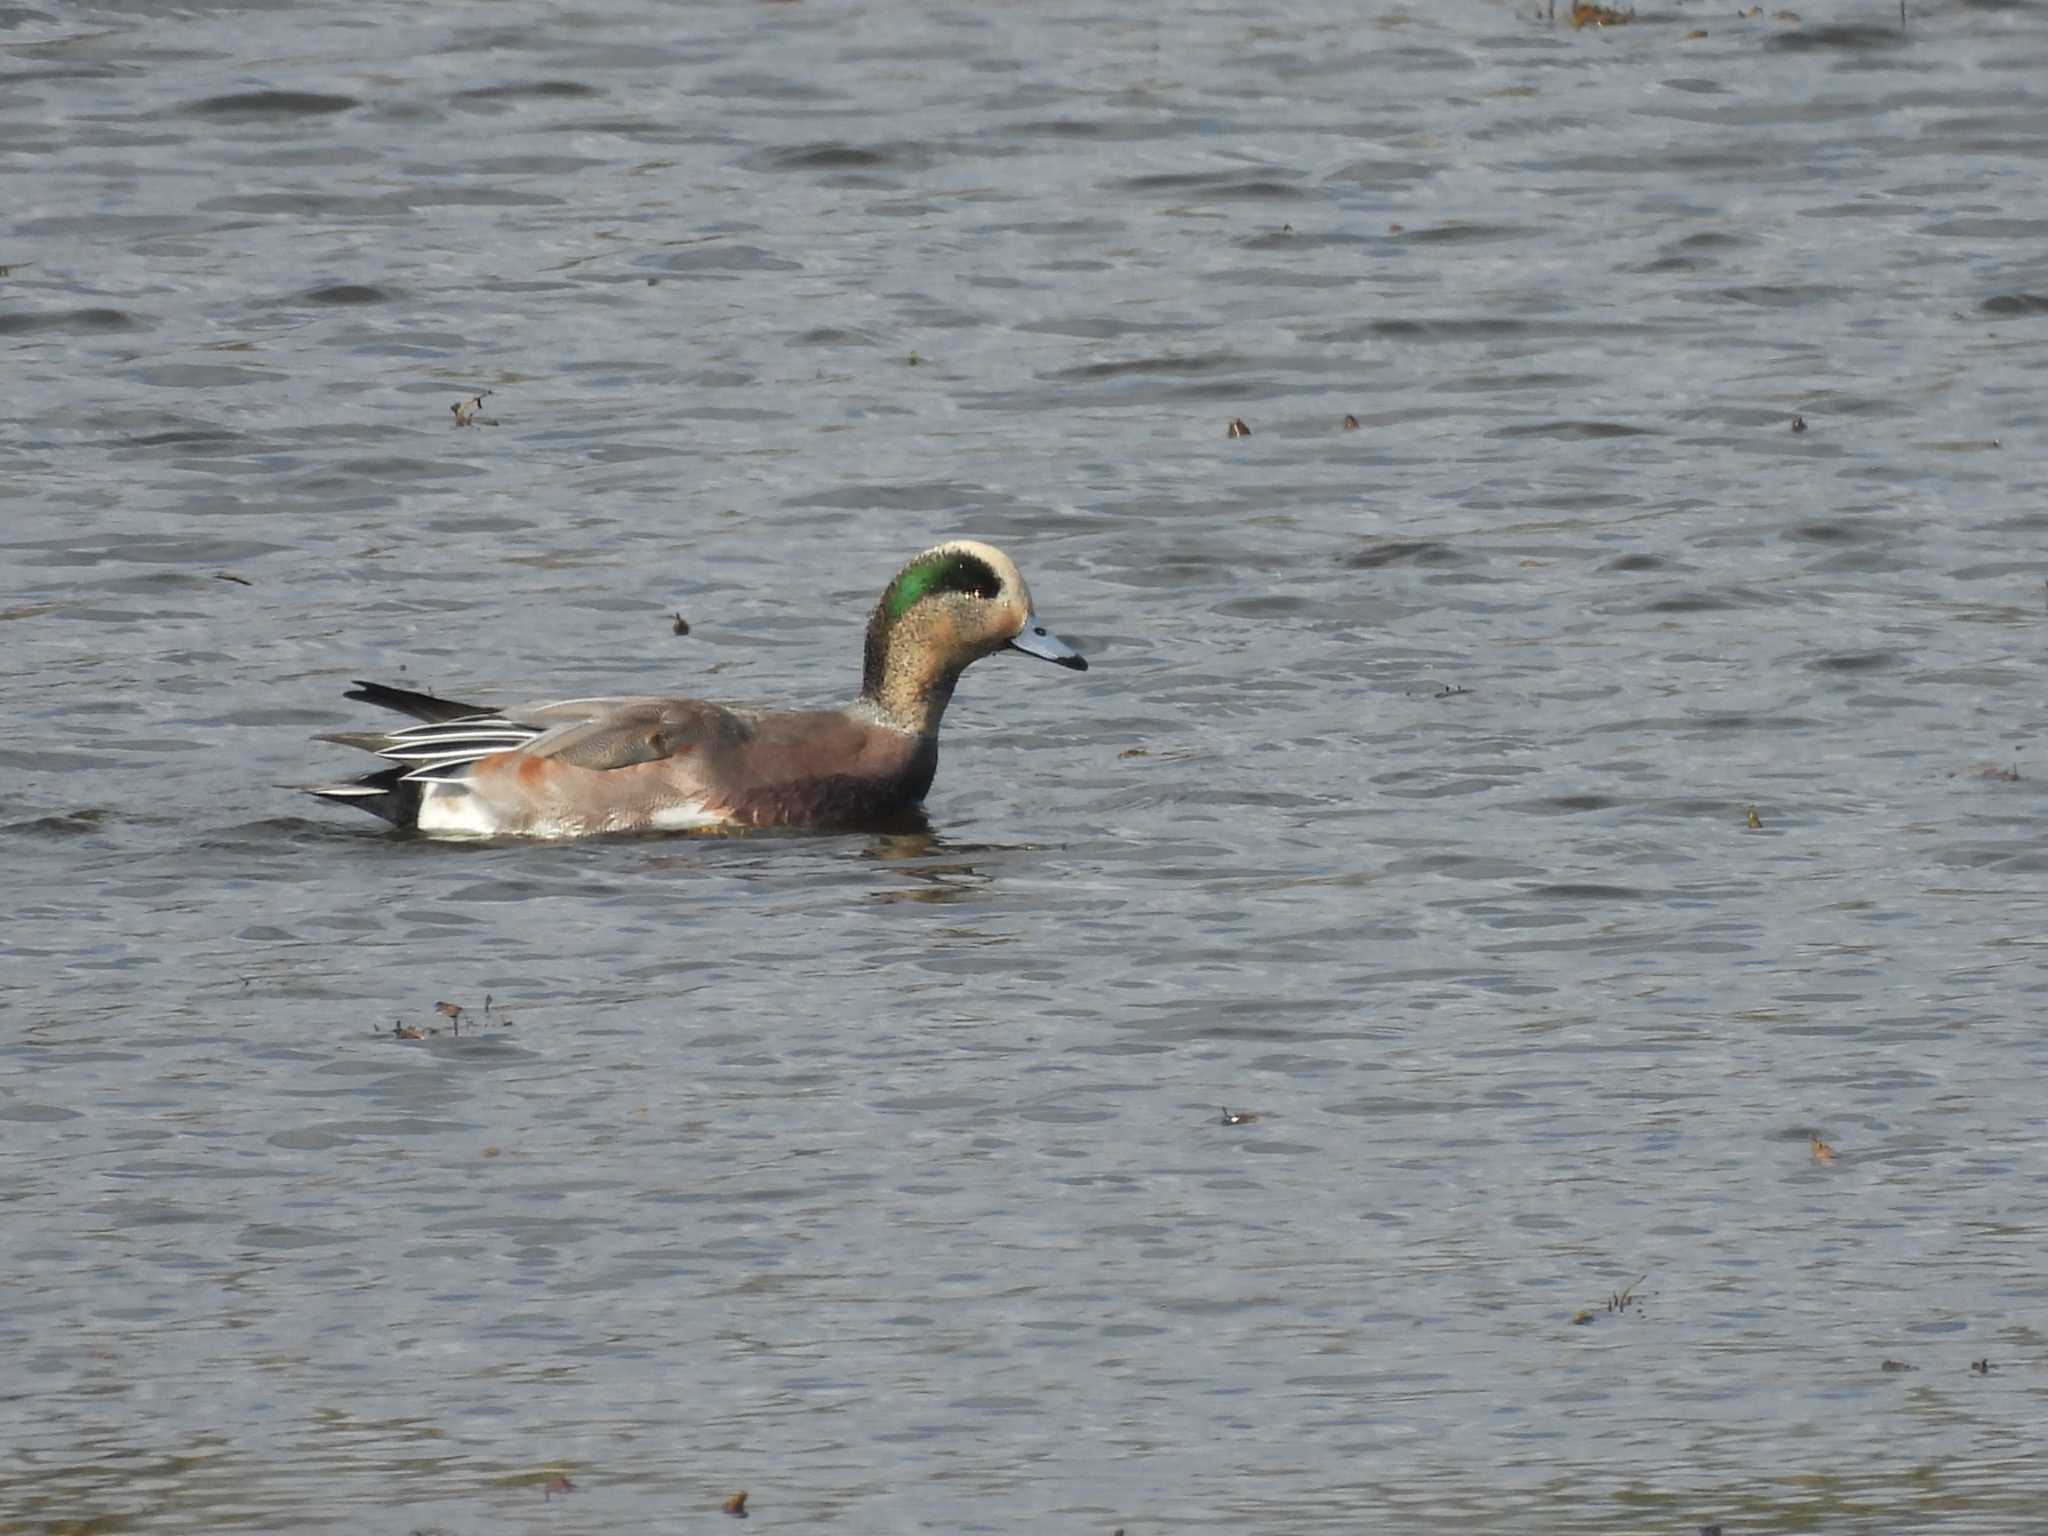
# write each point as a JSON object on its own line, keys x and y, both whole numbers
{"x": 684, "y": 818}
{"x": 450, "y": 809}
{"x": 453, "y": 810}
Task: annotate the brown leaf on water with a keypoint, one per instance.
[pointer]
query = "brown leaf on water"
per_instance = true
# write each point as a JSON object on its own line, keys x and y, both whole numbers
{"x": 1580, "y": 1319}
{"x": 1237, "y": 428}
{"x": 679, "y": 625}
{"x": 1822, "y": 1152}
{"x": 1134, "y": 752}
{"x": 1350, "y": 423}
{"x": 559, "y": 1483}
{"x": 736, "y": 1506}
{"x": 1587, "y": 14}
{"x": 449, "y": 1010}
{"x": 1239, "y": 1116}
{"x": 407, "y": 1032}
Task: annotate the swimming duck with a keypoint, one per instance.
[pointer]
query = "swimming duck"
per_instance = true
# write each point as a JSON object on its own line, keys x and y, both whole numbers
{"x": 586, "y": 766}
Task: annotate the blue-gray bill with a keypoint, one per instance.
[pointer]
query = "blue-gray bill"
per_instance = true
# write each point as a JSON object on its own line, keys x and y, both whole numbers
{"x": 1034, "y": 639}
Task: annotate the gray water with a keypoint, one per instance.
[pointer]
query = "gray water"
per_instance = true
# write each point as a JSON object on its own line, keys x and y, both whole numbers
{"x": 1406, "y": 807}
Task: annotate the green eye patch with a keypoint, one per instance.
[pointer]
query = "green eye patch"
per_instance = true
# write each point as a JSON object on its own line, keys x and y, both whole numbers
{"x": 941, "y": 572}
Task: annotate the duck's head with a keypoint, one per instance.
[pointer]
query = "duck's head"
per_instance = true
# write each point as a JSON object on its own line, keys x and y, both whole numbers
{"x": 950, "y": 606}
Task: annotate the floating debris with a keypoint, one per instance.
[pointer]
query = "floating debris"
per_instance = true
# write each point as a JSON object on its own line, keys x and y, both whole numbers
{"x": 466, "y": 411}
{"x": 240, "y": 581}
{"x": 913, "y": 360}
{"x": 1617, "y": 1301}
{"x": 1822, "y": 1152}
{"x": 1896, "y": 1366}
{"x": 1756, "y": 822}
{"x": 736, "y": 1506}
{"x": 1587, "y": 14}
{"x": 1798, "y": 423}
{"x": 559, "y": 1483}
{"x": 454, "y": 1013}
{"x": 1237, "y": 428}
{"x": 1983, "y": 1367}
{"x": 1350, "y": 423}
{"x": 678, "y": 624}
{"x": 1135, "y": 752}
{"x": 1452, "y": 691}
{"x": 1238, "y": 1116}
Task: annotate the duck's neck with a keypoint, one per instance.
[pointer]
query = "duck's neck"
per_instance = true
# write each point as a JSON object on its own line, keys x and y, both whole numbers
{"x": 906, "y": 685}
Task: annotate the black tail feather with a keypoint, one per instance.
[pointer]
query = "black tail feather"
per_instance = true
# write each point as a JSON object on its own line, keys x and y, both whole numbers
{"x": 421, "y": 706}
{"x": 385, "y": 793}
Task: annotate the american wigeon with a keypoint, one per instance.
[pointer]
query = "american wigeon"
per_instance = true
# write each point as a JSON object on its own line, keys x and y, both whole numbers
{"x": 585, "y": 766}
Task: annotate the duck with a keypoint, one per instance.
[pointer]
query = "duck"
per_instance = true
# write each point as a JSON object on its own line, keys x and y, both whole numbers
{"x": 587, "y": 767}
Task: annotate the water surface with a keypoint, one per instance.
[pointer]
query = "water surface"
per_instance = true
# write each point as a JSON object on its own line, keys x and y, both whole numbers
{"x": 1406, "y": 808}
